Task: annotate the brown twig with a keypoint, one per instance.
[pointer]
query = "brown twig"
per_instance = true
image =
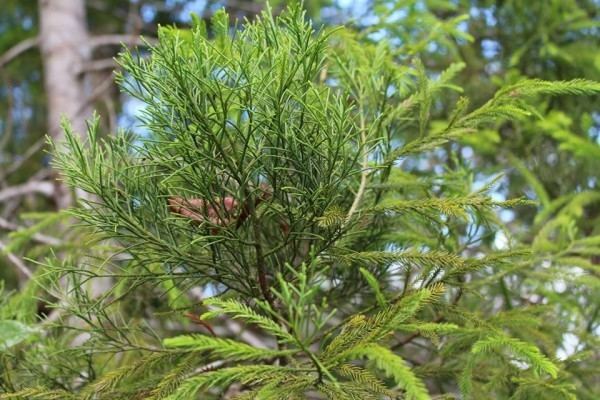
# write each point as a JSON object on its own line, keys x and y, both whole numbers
{"x": 195, "y": 319}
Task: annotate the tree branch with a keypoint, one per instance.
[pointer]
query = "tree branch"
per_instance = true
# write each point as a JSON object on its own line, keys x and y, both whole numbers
{"x": 16, "y": 164}
{"x": 18, "y": 49}
{"x": 38, "y": 237}
{"x": 16, "y": 261}
{"x": 364, "y": 173}
{"x": 99, "y": 65}
{"x": 42, "y": 187}
{"x": 119, "y": 39}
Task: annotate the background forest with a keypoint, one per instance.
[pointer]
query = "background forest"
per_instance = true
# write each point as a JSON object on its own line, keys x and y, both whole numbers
{"x": 467, "y": 265}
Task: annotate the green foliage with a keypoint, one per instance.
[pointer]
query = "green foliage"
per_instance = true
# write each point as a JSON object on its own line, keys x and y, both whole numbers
{"x": 223, "y": 348}
{"x": 279, "y": 176}
{"x": 12, "y": 333}
{"x": 524, "y": 350}
{"x": 395, "y": 367}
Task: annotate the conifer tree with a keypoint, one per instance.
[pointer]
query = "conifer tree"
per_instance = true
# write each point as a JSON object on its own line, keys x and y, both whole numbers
{"x": 272, "y": 237}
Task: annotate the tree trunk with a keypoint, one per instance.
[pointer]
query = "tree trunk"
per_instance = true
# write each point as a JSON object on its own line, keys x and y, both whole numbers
{"x": 64, "y": 45}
